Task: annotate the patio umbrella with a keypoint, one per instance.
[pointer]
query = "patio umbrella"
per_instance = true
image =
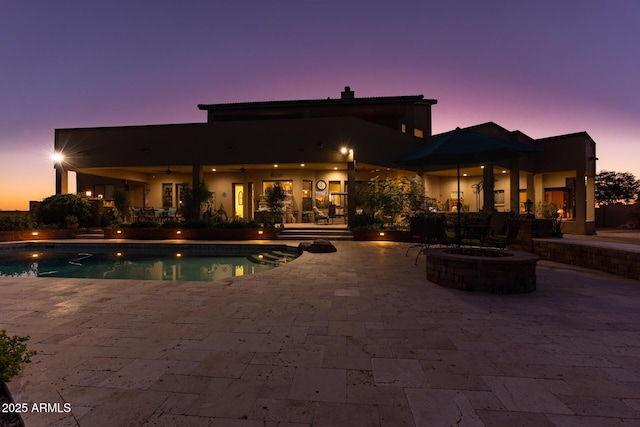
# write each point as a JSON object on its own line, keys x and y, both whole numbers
{"x": 460, "y": 147}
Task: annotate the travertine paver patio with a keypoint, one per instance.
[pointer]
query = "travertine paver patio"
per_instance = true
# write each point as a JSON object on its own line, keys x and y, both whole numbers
{"x": 352, "y": 338}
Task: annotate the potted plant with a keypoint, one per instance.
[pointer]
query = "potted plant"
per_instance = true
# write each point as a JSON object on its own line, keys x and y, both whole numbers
{"x": 276, "y": 195}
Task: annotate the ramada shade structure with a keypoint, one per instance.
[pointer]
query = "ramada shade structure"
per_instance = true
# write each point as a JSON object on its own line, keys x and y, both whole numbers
{"x": 461, "y": 147}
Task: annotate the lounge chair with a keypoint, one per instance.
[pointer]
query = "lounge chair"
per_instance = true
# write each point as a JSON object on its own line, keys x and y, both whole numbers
{"x": 319, "y": 215}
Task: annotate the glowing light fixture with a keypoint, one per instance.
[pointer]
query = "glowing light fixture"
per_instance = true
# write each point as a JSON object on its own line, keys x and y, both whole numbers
{"x": 178, "y": 255}
{"x": 57, "y": 157}
{"x": 335, "y": 168}
{"x": 35, "y": 233}
{"x": 118, "y": 231}
{"x": 179, "y": 232}
{"x": 35, "y": 255}
{"x": 118, "y": 253}
{"x": 275, "y": 166}
{"x": 343, "y": 150}
{"x": 382, "y": 233}
{"x": 260, "y": 232}
{"x": 301, "y": 165}
{"x": 88, "y": 193}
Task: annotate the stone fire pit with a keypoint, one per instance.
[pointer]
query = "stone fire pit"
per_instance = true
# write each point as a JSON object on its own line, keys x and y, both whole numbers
{"x": 482, "y": 270}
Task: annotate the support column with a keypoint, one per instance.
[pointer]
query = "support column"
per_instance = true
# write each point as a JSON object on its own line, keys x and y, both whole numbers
{"x": 514, "y": 187}
{"x": 62, "y": 179}
{"x": 246, "y": 206}
{"x": 351, "y": 191}
{"x": 196, "y": 176}
{"x": 488, "y": 185}
{"x": 581, "y": 203}
{"x": 531, "y": 189}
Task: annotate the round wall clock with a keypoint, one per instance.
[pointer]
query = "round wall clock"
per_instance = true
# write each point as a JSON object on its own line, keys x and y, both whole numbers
{"x": 321, "y": 185}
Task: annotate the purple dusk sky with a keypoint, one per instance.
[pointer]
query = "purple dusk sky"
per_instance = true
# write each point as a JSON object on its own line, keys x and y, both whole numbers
{"x": 543, "y": 67}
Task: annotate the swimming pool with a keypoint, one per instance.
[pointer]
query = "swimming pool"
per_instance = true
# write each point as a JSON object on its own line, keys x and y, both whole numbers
{"x": 144, "y": 262}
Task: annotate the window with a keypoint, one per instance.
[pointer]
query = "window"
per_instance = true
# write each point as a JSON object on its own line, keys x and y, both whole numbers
{"x": 418, "y": 133}
{"x": 335, "y": 187}
{"x": 498, "y": 197}
{"x": 306, "y": 189}
{"x": 563, "y": 198}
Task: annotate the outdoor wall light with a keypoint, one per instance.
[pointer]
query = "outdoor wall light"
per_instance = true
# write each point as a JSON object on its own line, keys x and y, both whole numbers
{"x": 179, "y": 232}
{"x": 35, "y": 233}
{"x": 118, "y": 253}
{"x": 301, "y": 165}
{"x": 528, "y": 206}
{"x": 87, "y": 193}
{"x": 118, "y": 231}
{"x": 275, "y": 166}
{"x": 260, "y": 232}
{"x": 178, "y": 255}
{"x": 343, "y": 151}
{"x": 35, "y": 255}
{"x": 382, "y": 233}
{"x": 57, "y": 157}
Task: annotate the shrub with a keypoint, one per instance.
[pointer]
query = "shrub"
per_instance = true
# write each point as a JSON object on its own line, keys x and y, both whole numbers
{"x": 16, "y": 223}
{"x": 367, "y": 221}
{"x": 171, "y": 223}
{"x": 54, "y": 209}
{"x": 13, "y": 352}
{"x": 144, "y": 224}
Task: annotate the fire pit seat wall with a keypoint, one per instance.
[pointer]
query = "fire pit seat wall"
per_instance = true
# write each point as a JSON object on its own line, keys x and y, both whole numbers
{"x": 515, "y": 272}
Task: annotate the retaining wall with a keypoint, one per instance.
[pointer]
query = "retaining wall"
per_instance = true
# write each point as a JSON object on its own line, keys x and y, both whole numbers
{"x": 609, "y": 259}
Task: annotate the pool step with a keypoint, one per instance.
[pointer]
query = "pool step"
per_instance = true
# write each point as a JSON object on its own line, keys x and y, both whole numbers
{"x": 328, "y": 233}
{"x": 91, "y": 233}
{"x": 271, "y": 258}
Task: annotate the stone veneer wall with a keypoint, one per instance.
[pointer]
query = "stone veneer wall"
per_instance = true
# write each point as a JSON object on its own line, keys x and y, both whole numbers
{"x": 510, "y": 274}
{"x": 605, "y": 259}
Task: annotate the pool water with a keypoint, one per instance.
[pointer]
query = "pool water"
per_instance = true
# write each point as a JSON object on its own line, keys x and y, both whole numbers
{"x": 136, "y": 266}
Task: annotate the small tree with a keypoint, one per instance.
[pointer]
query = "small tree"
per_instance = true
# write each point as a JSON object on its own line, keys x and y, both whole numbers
{"x": 55, "y": 210}
{"x": 122, "y": 203}
{"x": 615, "y": 187}
{"x": 275, "y": 196}
{"x": 392, "y": 199}
{"x": 193, "y": 198}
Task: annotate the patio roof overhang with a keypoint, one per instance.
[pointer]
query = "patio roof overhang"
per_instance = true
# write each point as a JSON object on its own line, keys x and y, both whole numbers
{"x": 310, "y": 141}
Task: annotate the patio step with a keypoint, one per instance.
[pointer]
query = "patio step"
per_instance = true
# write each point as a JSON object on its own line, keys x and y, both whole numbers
{"x": 327, "y": 233}
{"x": 91, "y": 233}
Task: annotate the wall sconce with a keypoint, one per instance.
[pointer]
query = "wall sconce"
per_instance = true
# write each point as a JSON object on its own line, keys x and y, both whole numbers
{"x": 528, "y": 206}
{"x": 57, "y": 157}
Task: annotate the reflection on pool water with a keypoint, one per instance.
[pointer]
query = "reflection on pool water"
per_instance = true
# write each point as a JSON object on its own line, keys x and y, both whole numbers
{"x": 136, "y": 266}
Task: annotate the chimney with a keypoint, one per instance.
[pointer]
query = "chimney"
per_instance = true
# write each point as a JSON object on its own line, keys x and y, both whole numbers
{"x": 348, "y": 93}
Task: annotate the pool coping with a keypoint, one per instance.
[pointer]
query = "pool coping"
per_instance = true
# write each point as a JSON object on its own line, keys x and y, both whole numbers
{"x": 213, "y": 248}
